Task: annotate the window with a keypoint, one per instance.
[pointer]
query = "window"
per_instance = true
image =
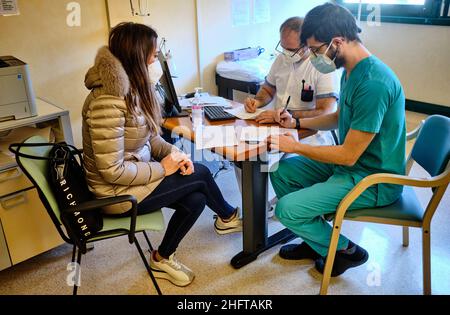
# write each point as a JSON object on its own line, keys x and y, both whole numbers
{"x": 433, "y": 12}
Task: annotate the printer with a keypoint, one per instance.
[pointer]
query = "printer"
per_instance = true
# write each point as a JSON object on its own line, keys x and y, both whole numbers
{"x": 17, "y": 99}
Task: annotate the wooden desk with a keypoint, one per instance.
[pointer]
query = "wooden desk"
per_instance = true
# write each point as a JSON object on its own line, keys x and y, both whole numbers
{"x": 253, "y": 160}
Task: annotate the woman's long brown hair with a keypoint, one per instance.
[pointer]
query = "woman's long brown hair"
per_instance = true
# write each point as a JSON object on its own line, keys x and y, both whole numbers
{"x": 132, "y": 44}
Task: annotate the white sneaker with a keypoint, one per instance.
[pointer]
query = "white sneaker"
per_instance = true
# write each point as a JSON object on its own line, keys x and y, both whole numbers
{"x": 271, "y": 212}
{"x": 233, "y": 226}
{"x": 171, "y": 269}
{"x": 271, "y": 206}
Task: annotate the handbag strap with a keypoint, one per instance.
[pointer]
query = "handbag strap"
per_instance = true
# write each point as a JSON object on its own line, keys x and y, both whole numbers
{"x": 15, "y": 148}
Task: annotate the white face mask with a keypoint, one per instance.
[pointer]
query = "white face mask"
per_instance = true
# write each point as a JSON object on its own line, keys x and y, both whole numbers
{"x": 155, "y": 72}
{"x": 289, "y": 58}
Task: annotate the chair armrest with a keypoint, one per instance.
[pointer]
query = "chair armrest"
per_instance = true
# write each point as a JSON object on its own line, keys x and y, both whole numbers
{"x": 413, "y": 134}
{"x": 100, "y": 203}
{"x": 388, "y": 179}
{"x": 403, "y": 180}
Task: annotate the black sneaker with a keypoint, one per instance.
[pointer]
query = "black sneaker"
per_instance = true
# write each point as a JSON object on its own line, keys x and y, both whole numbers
{"x": 298, "y": 252}
{"x": 344, "y": 261}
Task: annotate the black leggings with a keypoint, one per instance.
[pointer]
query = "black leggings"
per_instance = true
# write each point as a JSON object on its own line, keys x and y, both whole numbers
{"x": 187, "y": 195}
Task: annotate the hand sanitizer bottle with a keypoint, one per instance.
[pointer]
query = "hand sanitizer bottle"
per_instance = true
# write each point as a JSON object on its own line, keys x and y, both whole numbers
{"x": 197, "y": 110}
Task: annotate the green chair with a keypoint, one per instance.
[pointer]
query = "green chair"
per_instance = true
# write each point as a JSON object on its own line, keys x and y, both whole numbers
{"x": 36, "y": 170}
{"x": 431, "y": 151}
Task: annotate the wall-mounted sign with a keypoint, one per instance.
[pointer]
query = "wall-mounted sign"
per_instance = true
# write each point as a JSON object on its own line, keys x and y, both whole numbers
{"x": 9, "y": 7}
{"x": 240, "y": 12}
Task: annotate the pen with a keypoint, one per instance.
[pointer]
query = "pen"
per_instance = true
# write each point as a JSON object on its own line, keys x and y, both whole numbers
{"x": 286, "y": 106}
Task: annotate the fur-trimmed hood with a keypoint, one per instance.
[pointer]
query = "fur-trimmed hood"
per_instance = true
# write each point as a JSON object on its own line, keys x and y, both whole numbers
{"x": 108, "y": 74}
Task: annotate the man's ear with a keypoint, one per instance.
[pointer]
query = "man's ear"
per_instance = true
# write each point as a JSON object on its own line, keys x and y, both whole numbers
{"x": 339, "y": 41}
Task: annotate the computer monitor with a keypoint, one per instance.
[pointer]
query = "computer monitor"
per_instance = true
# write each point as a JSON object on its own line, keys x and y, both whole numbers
{"x": 172, "y": 106}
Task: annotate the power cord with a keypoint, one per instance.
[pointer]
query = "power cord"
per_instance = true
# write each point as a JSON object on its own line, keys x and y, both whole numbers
{"x": 225, "y": 166}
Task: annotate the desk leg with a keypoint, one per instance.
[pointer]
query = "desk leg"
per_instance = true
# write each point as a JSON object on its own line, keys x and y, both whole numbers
{"x": 254, "y": 203}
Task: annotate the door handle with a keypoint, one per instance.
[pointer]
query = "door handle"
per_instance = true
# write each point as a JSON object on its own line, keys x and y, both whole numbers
{"x": 17, "y": 173}
{"x": 13, "y": 201}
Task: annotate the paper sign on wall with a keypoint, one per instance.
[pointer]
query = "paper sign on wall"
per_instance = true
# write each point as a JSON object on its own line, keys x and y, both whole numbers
{"x": 261, "y": 11}
{"x": 240, "y": 12}
{"x": 9, "y": 7}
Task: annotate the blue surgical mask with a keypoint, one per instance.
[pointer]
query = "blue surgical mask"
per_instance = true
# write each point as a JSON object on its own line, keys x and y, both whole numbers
{"x": 323, "y": 63}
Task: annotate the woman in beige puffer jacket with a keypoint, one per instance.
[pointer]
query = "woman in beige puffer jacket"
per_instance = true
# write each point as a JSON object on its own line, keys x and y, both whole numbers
{"x": 124, "y": 154}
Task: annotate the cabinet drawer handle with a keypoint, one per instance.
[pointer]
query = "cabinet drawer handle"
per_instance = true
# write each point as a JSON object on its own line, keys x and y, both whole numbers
{"x": 8, "y": 204}
{"x": 17, "y": 174}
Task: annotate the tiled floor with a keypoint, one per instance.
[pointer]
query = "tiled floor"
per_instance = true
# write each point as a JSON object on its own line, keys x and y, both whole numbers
{"x": 114, "y": 267}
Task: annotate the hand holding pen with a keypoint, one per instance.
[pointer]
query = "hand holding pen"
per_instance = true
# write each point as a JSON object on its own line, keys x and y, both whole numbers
{"x": 283, "y": 117}
{"x": 251, "y": 104}
{"x": 287, "y": 105}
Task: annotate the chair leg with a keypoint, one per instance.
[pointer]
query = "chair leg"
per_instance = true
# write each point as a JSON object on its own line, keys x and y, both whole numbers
{"x": 330, "y": 260}
{"x": 426, "y": 260}
{"x": 74, "y": 253}
{"x": 90, "y": 247}
{"x": 75, "y": 288}
{"x": 148, "y": 241}
{"x": 147, "y": 266}
{"x": 335, "y": 137}
{"x": 405, "y": 236}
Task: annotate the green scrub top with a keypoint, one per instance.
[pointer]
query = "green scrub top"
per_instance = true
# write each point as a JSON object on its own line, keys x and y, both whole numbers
{"x": 372, "y": 100}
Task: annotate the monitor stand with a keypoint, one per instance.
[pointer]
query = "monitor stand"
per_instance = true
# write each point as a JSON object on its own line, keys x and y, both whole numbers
{"x": 174, "y": 113}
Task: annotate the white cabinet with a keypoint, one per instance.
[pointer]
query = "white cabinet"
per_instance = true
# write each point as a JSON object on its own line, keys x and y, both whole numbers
{"x": 5, "y": 260}
{"x": 26, "y": 229}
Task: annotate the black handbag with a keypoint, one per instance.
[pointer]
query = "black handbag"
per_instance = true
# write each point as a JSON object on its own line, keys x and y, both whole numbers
{"x": 68, "y": 182}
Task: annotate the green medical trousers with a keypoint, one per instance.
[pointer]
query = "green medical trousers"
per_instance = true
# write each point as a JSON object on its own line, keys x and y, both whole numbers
{"x": 306, "y": 191}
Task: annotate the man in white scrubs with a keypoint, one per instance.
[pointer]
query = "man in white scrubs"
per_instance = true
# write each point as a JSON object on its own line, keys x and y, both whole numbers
{"x": 293, "y": 77}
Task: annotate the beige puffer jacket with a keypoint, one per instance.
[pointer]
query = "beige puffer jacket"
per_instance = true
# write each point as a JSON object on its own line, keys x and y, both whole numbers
{"x": 120, "y": 153}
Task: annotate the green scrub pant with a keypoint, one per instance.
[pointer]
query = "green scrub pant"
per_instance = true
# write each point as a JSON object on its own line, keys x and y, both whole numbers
{"x": 306, "y": 191}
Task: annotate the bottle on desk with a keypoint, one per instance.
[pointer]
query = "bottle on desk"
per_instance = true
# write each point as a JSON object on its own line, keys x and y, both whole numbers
{"x": 198, "y": 114}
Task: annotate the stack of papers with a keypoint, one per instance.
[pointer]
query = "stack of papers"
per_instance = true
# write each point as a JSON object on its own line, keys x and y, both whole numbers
{"x": 241, "y": 113}
{"x": 206, "y": 100}
{"x": 260, "y": 134}
{"x": 208, "y": 137}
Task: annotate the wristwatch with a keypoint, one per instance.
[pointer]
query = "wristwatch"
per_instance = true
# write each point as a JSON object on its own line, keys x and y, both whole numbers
{"x": 297, "y": 123}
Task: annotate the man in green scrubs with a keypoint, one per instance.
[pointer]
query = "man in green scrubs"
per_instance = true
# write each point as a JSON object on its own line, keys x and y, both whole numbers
{"x": 372, "y": 130}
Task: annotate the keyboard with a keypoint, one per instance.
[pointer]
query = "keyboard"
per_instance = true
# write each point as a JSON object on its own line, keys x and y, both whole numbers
{"x": 215, "y": 113}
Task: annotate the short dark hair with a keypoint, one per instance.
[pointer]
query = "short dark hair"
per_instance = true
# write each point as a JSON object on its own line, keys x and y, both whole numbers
{"x": 328, "y": 21}
{"x": 294, "y": 24}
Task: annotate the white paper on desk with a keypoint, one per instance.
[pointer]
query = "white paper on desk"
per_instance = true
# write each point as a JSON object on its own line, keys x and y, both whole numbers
{"x": 209, "y": 137}
{"x": 212, "y": 100}
{"x": 206, "y": 101}
{"x": 259, "y": 134}
{"x": 185, "y": 103}
{"x": 241, "y": 113}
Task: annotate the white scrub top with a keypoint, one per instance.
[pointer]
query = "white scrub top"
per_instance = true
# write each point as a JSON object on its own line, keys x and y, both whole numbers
{"x": 287, "y": 78}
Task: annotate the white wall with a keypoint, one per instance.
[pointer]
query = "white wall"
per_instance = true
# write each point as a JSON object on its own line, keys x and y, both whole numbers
{"x": 216, "y": 34}
{"x": 176, "y": 21}
{"x": 58, "y": 55}
{"x": 419, "y": 54}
